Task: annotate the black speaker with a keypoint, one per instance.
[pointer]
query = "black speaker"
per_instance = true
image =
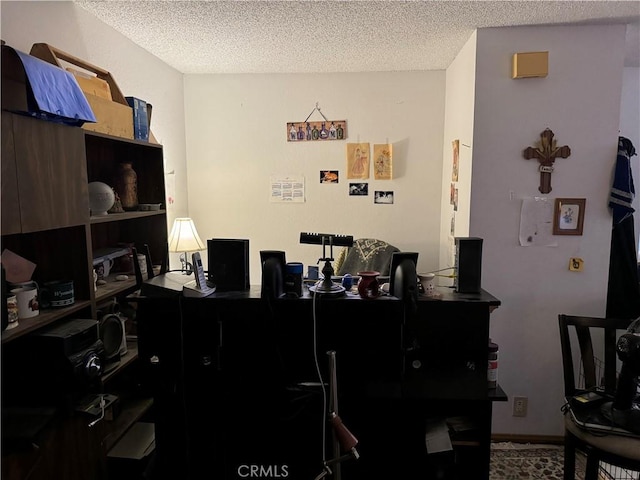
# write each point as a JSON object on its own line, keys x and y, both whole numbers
{"x": 228, "y": 263}
{"x": 468, "y": 264}
{"x": 113, "y": 336}
{"x": 403, "y": 279}
{"x": 273, "y": 270}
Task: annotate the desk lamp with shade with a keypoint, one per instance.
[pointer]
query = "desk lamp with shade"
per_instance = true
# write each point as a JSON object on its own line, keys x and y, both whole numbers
{"x": 184, "y": 238}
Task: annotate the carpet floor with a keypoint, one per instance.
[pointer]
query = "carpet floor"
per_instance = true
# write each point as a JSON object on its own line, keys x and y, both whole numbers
{"x": 530, "y": 462}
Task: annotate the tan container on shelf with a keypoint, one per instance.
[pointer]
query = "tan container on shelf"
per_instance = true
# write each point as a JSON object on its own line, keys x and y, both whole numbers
{"x": 114, "y": 116}
{"x": 92, "y": 84}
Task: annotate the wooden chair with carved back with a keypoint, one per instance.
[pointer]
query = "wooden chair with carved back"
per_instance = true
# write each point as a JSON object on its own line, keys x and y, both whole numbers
{"x": 596, "y": 339}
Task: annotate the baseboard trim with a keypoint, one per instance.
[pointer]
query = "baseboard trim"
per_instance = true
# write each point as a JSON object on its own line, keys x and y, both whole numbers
{"x": 516, "y": 438}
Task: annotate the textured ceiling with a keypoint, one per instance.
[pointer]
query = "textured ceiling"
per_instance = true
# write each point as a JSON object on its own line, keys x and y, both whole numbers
{"x": 336, "y": 36}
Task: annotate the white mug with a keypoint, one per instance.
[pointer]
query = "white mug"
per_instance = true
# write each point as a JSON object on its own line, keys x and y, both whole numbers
{"x": 27, "y": 284}
{"x": 103, "y": 269}
{"x": 12, "y": 311}
{"x": 27, "y": 298}
{"x": 142, "y": 263}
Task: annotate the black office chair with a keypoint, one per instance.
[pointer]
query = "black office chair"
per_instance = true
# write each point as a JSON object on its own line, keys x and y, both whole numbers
{"x": 596, "y": 337}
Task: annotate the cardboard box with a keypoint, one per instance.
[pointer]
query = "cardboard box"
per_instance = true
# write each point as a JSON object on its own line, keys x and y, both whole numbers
{"x": 140, "y": 118}
{"x": 113, "y": 118}
{"x": 92, "y": 84}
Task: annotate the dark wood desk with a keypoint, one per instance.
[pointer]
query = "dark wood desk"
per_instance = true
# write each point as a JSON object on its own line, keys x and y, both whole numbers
{"x": 236, "y": 385}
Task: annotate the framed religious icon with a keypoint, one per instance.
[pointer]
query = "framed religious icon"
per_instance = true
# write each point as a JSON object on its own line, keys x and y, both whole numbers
{"x": 568, "y": 216}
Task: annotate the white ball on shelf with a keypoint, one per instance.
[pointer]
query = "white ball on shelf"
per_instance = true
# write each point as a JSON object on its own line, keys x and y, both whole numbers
{"x": 101, "y": 198}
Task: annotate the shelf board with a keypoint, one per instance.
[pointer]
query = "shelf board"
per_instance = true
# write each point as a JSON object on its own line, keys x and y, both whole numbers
{"x": 89, "y": 133}
{"x": 466, "y": 443}
{"x": 114, "y": 287}
{"x": 131, "y": 412}
{"x": 498, "y": 394}
{"x": 125, "y": 360}
{"x": 116, "y": 217}
{"x": 45, "y": 317}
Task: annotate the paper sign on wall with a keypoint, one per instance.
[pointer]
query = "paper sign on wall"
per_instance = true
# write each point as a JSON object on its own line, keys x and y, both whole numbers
{"x": 287, "y": 189}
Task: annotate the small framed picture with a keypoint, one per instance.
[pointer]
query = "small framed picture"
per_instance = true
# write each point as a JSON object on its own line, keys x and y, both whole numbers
{"x": 359, "y": 189}
{"x": 329, "y": 176}
{"x": 568, "y": 216}
{"x": 383, "y": 196}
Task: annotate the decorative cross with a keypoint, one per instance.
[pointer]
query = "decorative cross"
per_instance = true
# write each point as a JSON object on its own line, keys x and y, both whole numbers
{"x": 546, "y": 153}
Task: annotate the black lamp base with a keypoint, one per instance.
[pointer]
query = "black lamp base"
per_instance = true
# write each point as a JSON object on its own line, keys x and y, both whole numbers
{"x": 321, "y": 288}
{"x": 326, "y": 286}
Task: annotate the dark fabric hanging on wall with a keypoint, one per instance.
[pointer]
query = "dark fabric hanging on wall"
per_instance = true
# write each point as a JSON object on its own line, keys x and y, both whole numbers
{"x": 623, "y": 295}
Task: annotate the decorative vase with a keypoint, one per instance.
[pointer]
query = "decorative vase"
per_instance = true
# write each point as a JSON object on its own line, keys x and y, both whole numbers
{"x": 368, "y": 286}
{"x": 127, "y": 186}
{"x": 427, "y": 282}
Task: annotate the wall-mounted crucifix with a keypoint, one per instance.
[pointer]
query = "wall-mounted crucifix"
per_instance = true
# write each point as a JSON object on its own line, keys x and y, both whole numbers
{"x": 546, "y": 153}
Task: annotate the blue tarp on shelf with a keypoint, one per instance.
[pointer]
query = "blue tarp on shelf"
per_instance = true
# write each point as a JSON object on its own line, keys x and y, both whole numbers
{"x": 53, "y": 93}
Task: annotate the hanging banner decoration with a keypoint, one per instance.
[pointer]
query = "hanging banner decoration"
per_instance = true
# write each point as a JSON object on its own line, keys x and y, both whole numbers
{"x": 310, "y": 131}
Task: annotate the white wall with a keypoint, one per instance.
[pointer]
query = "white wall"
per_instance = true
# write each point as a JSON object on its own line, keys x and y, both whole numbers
{"x": 630, "y": 106}
{"x": 458, "y": 124}
{"x": 580, "y": 102}
{"x": 138, "y": 73}
{"x": 630, "y": 128}
{"x": 236, "y": 139}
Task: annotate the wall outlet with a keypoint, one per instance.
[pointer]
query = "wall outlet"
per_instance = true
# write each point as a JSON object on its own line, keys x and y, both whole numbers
{"x": 520, "y": 406}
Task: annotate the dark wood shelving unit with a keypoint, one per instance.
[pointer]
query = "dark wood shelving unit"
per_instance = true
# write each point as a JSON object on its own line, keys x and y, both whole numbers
{"x": 400, "y": 367}
{"x": 49, "y": 223}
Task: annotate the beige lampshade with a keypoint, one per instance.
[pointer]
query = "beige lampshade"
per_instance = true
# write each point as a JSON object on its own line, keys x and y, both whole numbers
{"x": 184, "y": 236}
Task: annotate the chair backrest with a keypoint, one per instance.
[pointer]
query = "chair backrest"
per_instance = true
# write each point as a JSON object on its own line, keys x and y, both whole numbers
{"x": 596, "y": 338}
{"x": 367, "y": 254}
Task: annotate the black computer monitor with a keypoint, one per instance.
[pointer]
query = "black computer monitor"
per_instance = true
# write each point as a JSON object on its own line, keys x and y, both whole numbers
{"x": 403, "y": 276}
